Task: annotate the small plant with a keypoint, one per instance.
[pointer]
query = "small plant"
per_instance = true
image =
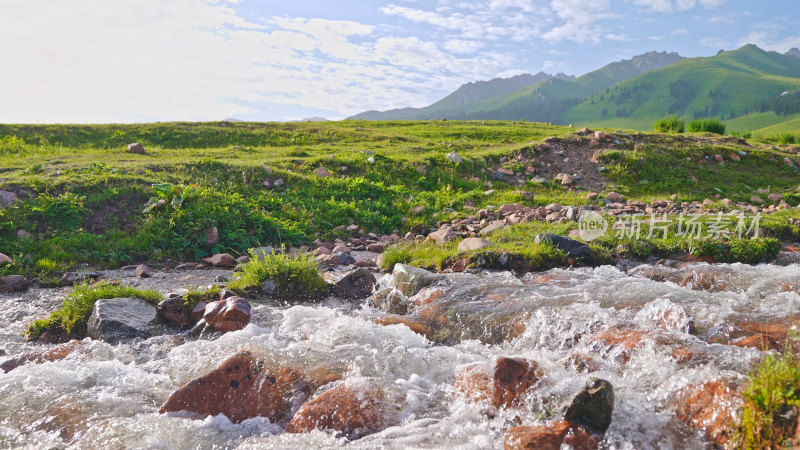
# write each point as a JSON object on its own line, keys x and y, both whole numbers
{"x": 64, "y": 212}
{"x": 742, "y": 134}
{"x": 296, "y": 275}
{"x": 707, "y": 126}
{"x": 670, "y": 124}
{"x": 786, "y": 138}
{"x": 70, "y": 319}
{"x": 771, "y": 399}
{"x": 169, "y": 193}
{"x": 195, "y": 296}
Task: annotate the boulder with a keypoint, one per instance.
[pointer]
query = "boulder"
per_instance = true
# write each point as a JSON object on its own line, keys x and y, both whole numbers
{"x": 261, "y": 253}
{"x": 13, "y": 283}
{"x": 413, "y": 325}
{"x": 240, "y": 388}
{"x": 231, "y": 314}
{"x": 175, "y": 312}
{"x": 614, "y": 197}
{"x": 757, "y": 200}
{"x": 376, "y": 248}
{"x": 8, "y": 198}
{"x": 143, "y": 271}
{"x": 512, "y": 377}
{"x": 322, "y": 172}
{"x": 341, "y": 248}
{"x": 344, "y": 259}
{"x": 118, "y": 319}
{"x": 599, "y": 135}
{"x": 212, "y": 236}
{"x": 443, "y": 235}
{"x": 351, "y": 411}
{"x": 593, "y": 407}
{"x": 454, "y": 158}
{"x": 510, "y": 208}
{"x": 357, "y": 284}
{"x": 220, "y": 260}
{"x": 551, "y": 437}
{"x": 569, "y": 246}
{"x": 473, "y": 243}
{"x": 409, "y": 279}
{"x": 5, "y": 259}
{"x": 775, "y": 197}
{"x": 23, "y": 234}
{"x": 136, "y": 148}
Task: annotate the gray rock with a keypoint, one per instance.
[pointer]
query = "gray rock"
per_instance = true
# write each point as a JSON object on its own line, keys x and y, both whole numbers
{"x": 7, "y": 198}
{"x": 269, "y": 287}
{"x": 118, "y": 319}
{"x": 345, "y": 259}
{"x": 569, "y": 246}
{"x": 357, "y": 284}
{"x": 409, "y": 279}
{"x": 454, "y": 158}
{"x": 261, "y": 253}
{"x": 473, "y": 244}
{"x": 143, "y": 271}
{"x": 443, "y": 235}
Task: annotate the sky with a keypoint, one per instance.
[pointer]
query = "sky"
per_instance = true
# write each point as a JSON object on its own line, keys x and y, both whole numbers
{"x": 110, "y": 61}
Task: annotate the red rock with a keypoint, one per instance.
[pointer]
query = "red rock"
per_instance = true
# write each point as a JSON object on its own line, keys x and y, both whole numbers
{"x": 175, "y": 311}
{"x": 474, "y": 383}
{"x": 547, "y": 437}
{"x": 711, "y": 407}
{"x": 350, "y": 411}
{"x": 460, "y": 265}
{"x": 620, "y": 339}
{"x": 769, "y": 335}
{"x": 220, "y": 260}
{"x": 230, "y": 314}
{"x": 198, "y": 311}
{"x": 512, "y": 377}
{"x": 56, "y": 353}
{"x": 240, "y": 388}
{"x": 416, "y": 327}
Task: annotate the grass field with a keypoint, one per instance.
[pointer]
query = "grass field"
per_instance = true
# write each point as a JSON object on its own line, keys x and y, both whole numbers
{"x": 86, "y": 196}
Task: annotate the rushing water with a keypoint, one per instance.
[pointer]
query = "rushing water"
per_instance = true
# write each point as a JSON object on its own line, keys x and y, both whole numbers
{"x": 105, "y": 396}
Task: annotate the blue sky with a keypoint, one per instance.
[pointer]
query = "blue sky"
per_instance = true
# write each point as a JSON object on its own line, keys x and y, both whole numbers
{"x": 154, "y": 60}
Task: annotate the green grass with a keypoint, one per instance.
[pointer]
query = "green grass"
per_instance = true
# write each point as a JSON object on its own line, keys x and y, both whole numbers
{"x": 772, "y": 390}
{"x": 91, "y": 202}
{"x": 70, "y": 319}
{"x": 671, "y": 124}
{"x": 296, "y": 276}
{"x": 706, "y": 126}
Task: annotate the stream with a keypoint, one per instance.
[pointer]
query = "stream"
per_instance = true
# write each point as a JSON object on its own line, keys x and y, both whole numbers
{"x": 108, "y": 396}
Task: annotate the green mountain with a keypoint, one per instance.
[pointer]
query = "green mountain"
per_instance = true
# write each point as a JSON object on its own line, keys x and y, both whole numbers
{"x": 462, "y": 97}
{"x": 511, "y": 97}
{"x": 726, "y": 86}
{"x": 748, "y": 88}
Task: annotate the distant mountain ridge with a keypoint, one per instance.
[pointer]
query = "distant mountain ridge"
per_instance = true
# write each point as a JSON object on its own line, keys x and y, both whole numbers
{"x": 468, "y": 97}
{"x": 750, "y": 88}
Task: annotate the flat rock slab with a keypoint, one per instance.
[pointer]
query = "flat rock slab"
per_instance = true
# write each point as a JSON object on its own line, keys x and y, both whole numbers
{"x": 117, "y": 319}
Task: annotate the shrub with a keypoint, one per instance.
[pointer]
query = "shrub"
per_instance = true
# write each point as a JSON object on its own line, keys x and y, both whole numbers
{"x": 769, "y": 397}
{"x": 296, "y": 275}
{"x": 707, "y": 125}
{"x": 786, "y": 138}
{"x": 70, "y": 320}
{"x": 670, "y": 124}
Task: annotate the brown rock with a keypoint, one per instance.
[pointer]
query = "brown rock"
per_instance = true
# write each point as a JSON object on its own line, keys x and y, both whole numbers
{"x": 350, "y": 411}
{"x": 473, "y": 243}
{"x": 5, "y": 259}
{"x": 710, "y": 407}
{"x": 13, "y": 283}
{"x": 56, "y": 353}
{"x": 143, "y": 271}
{"x": 775, "y": 197}
{"x": 230, "y": 314}
{"x": 240, "y": 388}
{"x": 416, "y": 327}
{"x": 510, "y": 208}
{"x": 757, "y": 200}
{"x": 512, "y": 377}
{"x": 734, "y": 156}
{"x": 719, "y": 158}
{"x": 220, "y": 260}
{"x": 175, "y": 311}
{"x": 376, "y": 248}
{"x": 341, "y": 248}
{"x": 599, "y": 135}
{"x": 443, "y": 235}
{"x": 614, "y": 197}
{"x": 550, "y": 437}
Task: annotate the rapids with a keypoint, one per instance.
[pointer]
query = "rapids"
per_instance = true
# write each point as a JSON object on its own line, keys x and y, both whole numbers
{"x": 105, "y": 396}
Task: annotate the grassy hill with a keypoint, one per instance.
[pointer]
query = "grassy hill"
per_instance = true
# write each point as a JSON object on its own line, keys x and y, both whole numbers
{"x": 729, "y": 84}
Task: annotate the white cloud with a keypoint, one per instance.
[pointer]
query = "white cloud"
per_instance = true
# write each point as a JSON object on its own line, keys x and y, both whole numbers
{"x": 769, "y": 40}
{"x": 654, "y": 38}
{"x": 669, "y": 6}
{"x": 679, "y": 31}
{"x": 714, "y": 42}
{"x": 525, "y": 5}
{"x": 462, "y": 46}
{"x": 579, "y": 19}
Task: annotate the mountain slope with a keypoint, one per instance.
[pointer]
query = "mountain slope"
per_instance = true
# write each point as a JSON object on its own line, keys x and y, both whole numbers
{"x": 727, "y": 85}
{"x": 466, "y": 94}
{"x": 540, "y": 97}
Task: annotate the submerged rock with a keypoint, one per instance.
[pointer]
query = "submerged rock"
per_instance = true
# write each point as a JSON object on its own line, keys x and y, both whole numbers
{"x": 56, "y": 353}
{"x": 351, "y": 411}
{"x": 117, "y": 319}
{"x": 711, "y": 407}
{"x": 240, "y": 388}
{"x": 551, "y": 437}
{"x": 512, "y": 377}
{"x": 409, "y": 279}
{"x": 593, "y": 406}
